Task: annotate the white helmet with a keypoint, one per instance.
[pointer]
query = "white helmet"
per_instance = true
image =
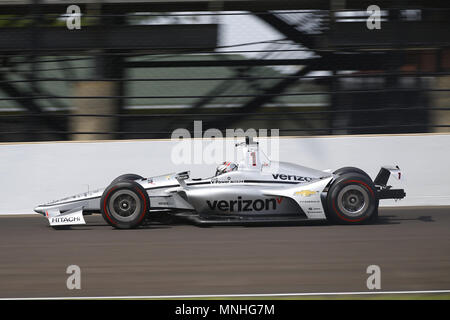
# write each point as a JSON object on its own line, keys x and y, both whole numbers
{"x": 227, "y": 166}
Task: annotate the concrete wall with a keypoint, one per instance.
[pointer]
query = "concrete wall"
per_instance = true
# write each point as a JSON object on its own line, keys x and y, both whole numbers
{"x": 35, "y": 173}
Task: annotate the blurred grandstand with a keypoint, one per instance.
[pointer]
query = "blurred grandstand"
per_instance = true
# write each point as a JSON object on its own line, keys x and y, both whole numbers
{"x": 140, "y": 69}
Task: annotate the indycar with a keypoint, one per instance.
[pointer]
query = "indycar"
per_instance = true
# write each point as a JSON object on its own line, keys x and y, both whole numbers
{"x": 255, "y": 189}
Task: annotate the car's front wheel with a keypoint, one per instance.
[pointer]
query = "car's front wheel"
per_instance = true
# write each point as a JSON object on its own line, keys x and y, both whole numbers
{"x": 352, "y": 199}
{"x": 124, "y": 204}
{"x": 127, "y": 177}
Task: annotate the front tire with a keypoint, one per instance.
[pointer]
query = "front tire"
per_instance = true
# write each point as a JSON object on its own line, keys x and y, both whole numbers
{"x": 126, "y": 177}
{"x": 352, "y": 199}
{"x": 124, "y": 205}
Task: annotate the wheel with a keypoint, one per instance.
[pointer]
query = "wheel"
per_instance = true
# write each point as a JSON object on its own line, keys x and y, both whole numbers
{"x": 124, "y": 204}
{"x": 343, "y": 170}
{"x": 127, "y": 177}
{"x": 352, "y": 199}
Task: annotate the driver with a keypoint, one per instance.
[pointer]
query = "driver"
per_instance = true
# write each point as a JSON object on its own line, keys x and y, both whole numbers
{"x": 227, "y": 166}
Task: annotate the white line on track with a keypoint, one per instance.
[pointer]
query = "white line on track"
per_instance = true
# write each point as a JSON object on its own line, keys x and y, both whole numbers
{"x": 239, "y": 295}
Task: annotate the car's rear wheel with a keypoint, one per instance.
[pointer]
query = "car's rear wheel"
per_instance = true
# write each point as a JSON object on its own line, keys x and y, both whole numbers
{"x": 352, "y": 199}
{"x": 127, "y": 177}
{"x": 343, "y": 170}
{"x": 124, "y": 204}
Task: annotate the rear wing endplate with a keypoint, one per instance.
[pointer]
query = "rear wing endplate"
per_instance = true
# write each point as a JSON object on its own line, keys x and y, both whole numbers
{"x": 381, "y": 180}
{"x": 384, "y": 174}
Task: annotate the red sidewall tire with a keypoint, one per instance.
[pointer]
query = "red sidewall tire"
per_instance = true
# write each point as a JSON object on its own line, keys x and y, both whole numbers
{"x": 345, "y": 170}
{"x": 126, "y": 177}
{"x": 336, "y": 213}
{"x": 130, "y": 186}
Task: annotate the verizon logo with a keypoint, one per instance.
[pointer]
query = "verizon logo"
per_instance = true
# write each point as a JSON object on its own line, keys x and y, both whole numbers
{"x": 290, "y": 177}
{"x": 242, "y": 205}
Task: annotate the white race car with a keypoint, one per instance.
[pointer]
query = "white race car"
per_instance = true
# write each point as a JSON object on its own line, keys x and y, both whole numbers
{"x": 253, "y": 190}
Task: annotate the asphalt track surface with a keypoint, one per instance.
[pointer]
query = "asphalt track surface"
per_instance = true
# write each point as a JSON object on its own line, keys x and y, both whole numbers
{"x": 411, "y": 246}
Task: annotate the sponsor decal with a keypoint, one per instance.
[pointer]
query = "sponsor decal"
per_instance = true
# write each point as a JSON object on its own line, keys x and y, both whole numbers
{"x": 228, "y": 180}
{"x": 291, "y": 177}
{"x": 243, "y": 205}
{"x": 253, "y": 159}
{"x": 305, "y": 193}
{"x": 313, "y": 210}
{"x": 309, "y": 201}
{"x": 65, "y": 219}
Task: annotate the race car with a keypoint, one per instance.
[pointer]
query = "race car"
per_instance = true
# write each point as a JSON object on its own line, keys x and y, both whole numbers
{"x": 254, "y": 189}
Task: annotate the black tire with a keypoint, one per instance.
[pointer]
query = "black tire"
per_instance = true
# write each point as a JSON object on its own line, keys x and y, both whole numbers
{"x": 127, "y": 177}
{"x": 125, "y": 204}
{"x": 343, "y": 170}
{"x": 352, "y": 199}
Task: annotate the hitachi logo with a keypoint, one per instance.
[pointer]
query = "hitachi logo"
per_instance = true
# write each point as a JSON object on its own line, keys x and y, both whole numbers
{"x": 241, "y": 205}
{"x": 291, "y": 177}
{"x": 65, "y": 219}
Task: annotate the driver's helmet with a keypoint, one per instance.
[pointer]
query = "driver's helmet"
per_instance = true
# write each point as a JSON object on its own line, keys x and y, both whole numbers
{"x": 227, "y": 166}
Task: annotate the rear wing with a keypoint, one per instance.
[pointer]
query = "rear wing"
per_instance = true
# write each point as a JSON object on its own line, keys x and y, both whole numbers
{"x": 381, "y": 180}
{"x": 384, "y": 174}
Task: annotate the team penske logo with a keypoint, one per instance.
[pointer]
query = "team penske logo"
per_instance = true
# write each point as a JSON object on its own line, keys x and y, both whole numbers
{"x": 291, "y": 177}
{"x": 228, "y": 180}
{"x": 305, "y": 193}
{"x": 243, "y": 205}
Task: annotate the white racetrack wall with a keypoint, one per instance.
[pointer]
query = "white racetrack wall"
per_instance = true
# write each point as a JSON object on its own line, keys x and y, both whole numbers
{"x": 35, "y": 173}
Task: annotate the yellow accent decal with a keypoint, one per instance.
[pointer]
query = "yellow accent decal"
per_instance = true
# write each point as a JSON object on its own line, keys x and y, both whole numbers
{"x": 305, "y": 193}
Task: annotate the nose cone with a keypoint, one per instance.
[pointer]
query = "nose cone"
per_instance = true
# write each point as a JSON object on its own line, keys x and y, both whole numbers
{"x": 39, "y": 209}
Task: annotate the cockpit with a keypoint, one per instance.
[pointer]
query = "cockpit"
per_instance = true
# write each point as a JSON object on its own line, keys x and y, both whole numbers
{"x": 225, "y": 167}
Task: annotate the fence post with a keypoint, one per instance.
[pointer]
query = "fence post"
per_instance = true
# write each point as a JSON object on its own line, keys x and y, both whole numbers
{"x": 96, "y": 107}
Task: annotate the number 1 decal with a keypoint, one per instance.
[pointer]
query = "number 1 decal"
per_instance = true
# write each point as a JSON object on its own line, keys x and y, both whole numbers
{"x": 253, "y": 158}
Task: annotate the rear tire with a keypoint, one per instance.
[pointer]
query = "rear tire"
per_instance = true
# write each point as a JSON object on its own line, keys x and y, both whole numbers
{"x": 125, "y": 204}
{"x": 352, "y": 199}
{"x": 344, "y": 170}
{"x": 127, "y": 177}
